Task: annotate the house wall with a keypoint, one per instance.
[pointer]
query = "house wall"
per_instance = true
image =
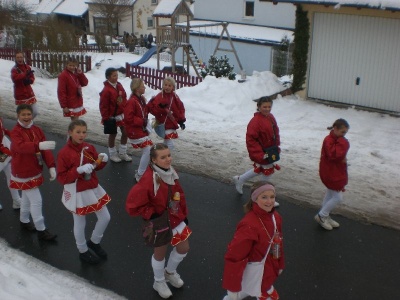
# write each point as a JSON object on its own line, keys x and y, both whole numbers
{"x": 313, "y": 9}
{"x": 143, "y": 9}
{"x": 265, "y": 13}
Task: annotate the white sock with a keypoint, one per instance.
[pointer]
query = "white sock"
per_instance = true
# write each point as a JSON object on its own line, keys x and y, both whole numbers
{"x": 174, "y": 260}
{"x": 122, "y": 149}
{"x": 112, "y": 151}
{"x": 158, "y": 269}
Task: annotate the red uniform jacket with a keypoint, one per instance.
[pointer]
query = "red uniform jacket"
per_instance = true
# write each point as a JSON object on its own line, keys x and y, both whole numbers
{"x": 68, "y": 160}
{"x": 249, "y": 244}
{"x": 262, "y": 132}
{"x": 23, "y": 92}
{"x": 141, "y": 200}
{"x": 3, "y": 132}
{"x": 68, "y": 89}
{"x": 332, "y": 166}
{"x": 172, "y": 103}
{"x": 135, "y": 114}
{"x": 24, "y": 146}
{"x": 108, "y": 100}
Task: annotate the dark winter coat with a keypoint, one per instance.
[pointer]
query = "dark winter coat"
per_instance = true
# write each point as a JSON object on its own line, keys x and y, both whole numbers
{"x": 333, "y": 166}
{"x": 262, "y": 132}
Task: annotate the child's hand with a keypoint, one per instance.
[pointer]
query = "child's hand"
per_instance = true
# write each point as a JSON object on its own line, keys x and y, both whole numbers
{"x": 104, "y": 157}
{"x": 86, "y": 168}
{"x": 53, "y": 174}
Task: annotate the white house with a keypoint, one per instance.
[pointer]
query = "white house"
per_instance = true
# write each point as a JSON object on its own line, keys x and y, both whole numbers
{"x": 255, "y": 26}
{"x": 353, "y": 55}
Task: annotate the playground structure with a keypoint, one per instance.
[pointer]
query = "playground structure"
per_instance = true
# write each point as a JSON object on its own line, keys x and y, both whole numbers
{"x": 174, "y": 35}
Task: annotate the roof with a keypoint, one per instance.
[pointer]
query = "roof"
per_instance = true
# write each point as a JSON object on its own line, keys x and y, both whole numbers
{"x": 250, "y": 33}
{"x": 124, "y": 2}
{"x": 167, "y": 8}
{"x": 75, "y": 8}
{"x": 47, "y": 6}
{"x": 374, "y": 4}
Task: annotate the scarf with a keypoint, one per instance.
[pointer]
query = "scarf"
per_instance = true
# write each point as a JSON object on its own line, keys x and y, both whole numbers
{"x": 168, "y": 177}
{"x": 27, "y": 126}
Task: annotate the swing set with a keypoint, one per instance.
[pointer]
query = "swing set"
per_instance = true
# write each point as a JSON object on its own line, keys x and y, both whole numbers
{"x": 176, "y": 35}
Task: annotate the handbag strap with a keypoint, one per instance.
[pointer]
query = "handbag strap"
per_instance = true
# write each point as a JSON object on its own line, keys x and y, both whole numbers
{"x": 271, "y": 238}
{"x": 169, "y": 109}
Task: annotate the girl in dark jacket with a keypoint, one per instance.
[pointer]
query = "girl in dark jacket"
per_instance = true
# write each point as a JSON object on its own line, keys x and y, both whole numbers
{"x": 333, "y": 171}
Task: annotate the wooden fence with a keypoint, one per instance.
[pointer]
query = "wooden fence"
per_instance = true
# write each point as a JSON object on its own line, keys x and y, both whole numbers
{"x": 154, "y": 78}
{"x": 52, "y": 62}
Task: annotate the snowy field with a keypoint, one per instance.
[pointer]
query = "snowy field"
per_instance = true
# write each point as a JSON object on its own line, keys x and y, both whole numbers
{"x": 213, "y": 144}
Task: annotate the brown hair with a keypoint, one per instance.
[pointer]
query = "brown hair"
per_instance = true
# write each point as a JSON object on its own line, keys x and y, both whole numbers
{"x": 155, "y": 148}
{"x": 75, "y": 123}
{"x": 339, "y": 123}
{"x": 249, "y": 204}
{"x": 23, "y": 107}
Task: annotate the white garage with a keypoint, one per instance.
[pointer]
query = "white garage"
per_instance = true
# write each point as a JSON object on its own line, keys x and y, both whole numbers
{"x": 355, "y": 60}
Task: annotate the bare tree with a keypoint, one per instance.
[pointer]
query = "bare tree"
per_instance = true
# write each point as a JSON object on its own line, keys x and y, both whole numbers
{"x": 112, "y": 11}
{"x": 13, "y": 11}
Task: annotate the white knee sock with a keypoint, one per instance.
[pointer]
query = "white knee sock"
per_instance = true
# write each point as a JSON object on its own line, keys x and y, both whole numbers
{"x": 174, "y": 260}
{"x": 122, "y": 149}
{"x": 112, "y": 151}
{"x": 158, "y": 269}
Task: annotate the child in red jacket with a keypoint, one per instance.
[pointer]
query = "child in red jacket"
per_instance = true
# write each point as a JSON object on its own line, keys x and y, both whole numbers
{"x": 69, "y": 90}
{"x": 262, "y": 132}
{"x": 333, "y": 171}
{"x": 23, "y": 77}
{"x": 152, "y": 197}
{"x": 258, "y": 238}
{"x": 169, "y": 110}
{"x": 5, "y": 164}
{"x": 77, "y": 162}
{"x": 30, "y": 150}
{"x": 136, "y": 116}
{"x": 112, "y": 103}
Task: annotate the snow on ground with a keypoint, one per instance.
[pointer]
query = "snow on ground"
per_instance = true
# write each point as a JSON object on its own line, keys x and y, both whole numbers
{"x": 213, "y": 144}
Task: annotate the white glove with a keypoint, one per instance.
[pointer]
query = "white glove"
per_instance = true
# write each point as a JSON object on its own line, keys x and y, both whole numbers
{"x": 104, "y": 157}
{"x": 233, "y": 295}
{"x": 86, "y": 168}
{"x": 47, "y": 145}
{"x": 53, "y": 173}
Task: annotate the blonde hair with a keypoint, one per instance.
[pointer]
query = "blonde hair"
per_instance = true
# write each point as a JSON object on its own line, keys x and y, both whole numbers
{"x": 171, "y": 80}
{"x": 135, "y": 84}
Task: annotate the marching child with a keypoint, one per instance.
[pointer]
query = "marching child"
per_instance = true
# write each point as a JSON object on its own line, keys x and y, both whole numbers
{"x": 23, "y": 77}
{"x": 136, "y": 116}
{"x": 159, "y": 194}
{"x": 112, "y": 103}
{"x": 77, "y": 162}
{"x": 169, "y": 111}
{"x": 333, "y": 171}
{"x": 5, "y": 164}
{"x": 258, "y": 238}
{"x": 69, "y": 90}
{"x": 30, "y": 150}
{"x": 262, "y": 132}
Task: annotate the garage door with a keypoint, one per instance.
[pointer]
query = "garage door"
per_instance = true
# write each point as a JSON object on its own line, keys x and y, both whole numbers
{"x": 355, "y": 60}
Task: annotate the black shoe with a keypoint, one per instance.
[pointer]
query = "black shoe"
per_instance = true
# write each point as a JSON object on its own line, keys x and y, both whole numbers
{"x": 28, "y": 226}
{"x": 89, "y": 257}
{"x": 97, "y": 249}
{"x": 45, "y": 235}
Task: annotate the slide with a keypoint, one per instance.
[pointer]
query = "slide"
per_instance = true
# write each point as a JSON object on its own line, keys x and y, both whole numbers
{"x": 149, "y": 53}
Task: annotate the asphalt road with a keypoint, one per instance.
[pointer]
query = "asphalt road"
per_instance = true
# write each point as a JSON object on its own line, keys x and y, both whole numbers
{"x": 356, "y": 261}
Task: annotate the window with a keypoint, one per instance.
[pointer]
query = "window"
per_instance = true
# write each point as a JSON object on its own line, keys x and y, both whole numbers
{"x": 154, "y": 2}
{"x": 150, "y": 22}
{"x": 100, "y": 25}
{"x": 249, "y": 8}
